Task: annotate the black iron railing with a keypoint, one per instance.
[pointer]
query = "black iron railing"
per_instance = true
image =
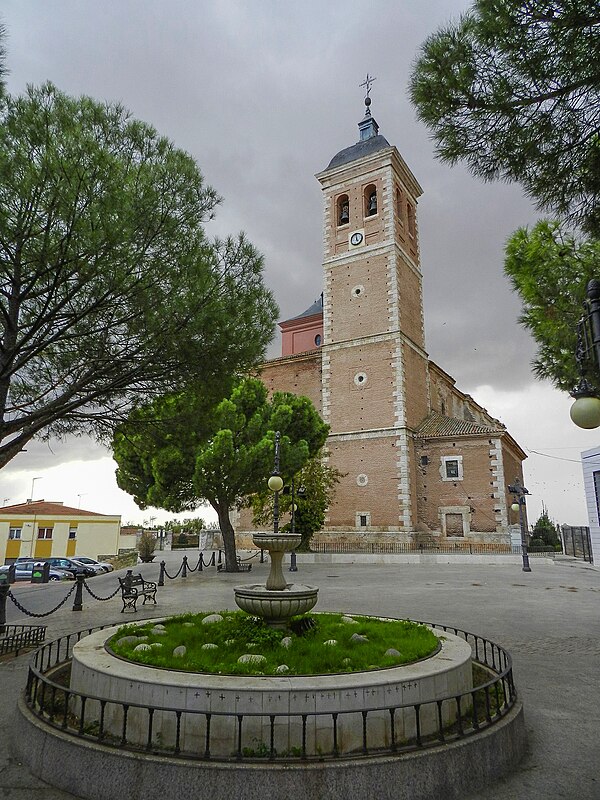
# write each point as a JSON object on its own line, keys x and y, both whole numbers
{"x": 456, "y": 548}
{"x": 85, "y": 716}
{"x": 15, "y": 638}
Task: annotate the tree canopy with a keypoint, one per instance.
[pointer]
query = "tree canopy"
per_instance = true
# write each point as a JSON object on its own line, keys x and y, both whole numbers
{"x": 172, "y": 457}
{"x": 550, "y": 270}
{"x": 110, "y": 291}
{"x": 512, "y": 89}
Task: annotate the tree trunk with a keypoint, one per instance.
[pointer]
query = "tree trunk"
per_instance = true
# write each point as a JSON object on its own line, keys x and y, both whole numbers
{"x": 231, "y": 564}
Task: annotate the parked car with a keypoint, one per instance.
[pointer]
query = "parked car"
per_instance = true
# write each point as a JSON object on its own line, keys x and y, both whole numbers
{"x": 70, "y": 564}
{"x": 24, "y": 570}
{"x": 104, "y": 566}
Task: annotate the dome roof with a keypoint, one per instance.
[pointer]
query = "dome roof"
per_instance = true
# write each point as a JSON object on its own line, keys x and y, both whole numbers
{"x": 359, "y": 150}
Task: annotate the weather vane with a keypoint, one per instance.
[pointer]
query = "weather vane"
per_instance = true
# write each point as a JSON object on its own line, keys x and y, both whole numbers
{"x": 367, "y": 84}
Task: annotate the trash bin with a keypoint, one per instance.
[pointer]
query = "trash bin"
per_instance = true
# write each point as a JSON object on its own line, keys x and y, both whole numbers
{"x": 40, "y": 573}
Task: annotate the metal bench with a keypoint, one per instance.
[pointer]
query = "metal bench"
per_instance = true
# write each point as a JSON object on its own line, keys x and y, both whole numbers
{"x": 243, "y": 566}
{"x": 133, "y": 587}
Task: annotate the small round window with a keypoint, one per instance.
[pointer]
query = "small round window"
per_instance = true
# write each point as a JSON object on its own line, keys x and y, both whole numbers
{"x": 360, "y": 379}
{"x": 362, "y": 480}
{"x": 318, "y": 340}
{"x": 357, "y": 291}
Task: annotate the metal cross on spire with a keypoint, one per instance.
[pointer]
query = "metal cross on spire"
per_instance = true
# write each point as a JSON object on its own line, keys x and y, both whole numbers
{"x": 367, "y": 83}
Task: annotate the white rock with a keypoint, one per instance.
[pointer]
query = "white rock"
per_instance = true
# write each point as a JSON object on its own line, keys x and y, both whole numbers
{"x": 160, "y": 625}
{"x": 330, "y": 642}
{"x": 180, "y": 651}
{"x": 156, "y": 645}
{"x": 392, "y": 652}
{"x": 282, "y": 668}
{"x": 209, "y": 646}
{"x": 358, "y": 637}
{"x": 349, "y": 621}
{"x": 141, "y": 647}
{"x": 158, "y": 631}
{"x": 211, "y": 618}
{"x": 286, "y": 642}
{"x": 251, "y": 658}
{"x": 127, "y": 640}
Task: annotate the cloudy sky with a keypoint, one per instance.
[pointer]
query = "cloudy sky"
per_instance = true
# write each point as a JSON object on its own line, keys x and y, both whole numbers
{"x": 263, "y": 93}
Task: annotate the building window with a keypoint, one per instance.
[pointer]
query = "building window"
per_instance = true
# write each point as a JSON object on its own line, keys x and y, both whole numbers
{"x": 343, "y": 210}
{"x": 14, "y": 533}
{"x": 363, "y": 519}
{"x": 318, "y": 340}
{"x": 399, "y": 208}
{"x": 45, "y": 533}
{"x": 370, "y": 201}
{"x": 455, "y": 520}
{"x": 451, "y": 468}
{"x": 410, "y": 215}
{"x": 73, "y": 533}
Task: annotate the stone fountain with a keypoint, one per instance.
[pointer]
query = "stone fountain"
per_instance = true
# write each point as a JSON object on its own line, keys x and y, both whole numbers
{"x": 276, "y": 601}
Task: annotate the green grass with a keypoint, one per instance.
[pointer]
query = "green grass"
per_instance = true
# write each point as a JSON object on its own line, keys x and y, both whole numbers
{"x": 240, "y": 634}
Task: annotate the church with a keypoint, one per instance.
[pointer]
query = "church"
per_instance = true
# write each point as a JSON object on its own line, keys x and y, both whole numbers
{"x": 423, "y": 463}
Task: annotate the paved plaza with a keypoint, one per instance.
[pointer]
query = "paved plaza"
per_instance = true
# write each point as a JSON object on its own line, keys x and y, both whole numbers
{"x": 549, "y": 620}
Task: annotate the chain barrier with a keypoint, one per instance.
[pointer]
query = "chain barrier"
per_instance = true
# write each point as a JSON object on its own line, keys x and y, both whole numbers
{"x": 46, "y": 613}
{"x": 177, "y": 574}
{"x": 96, "y": 597}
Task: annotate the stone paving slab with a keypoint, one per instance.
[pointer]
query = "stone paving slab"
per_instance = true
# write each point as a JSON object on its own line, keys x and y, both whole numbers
{"x": 549, "y": 620}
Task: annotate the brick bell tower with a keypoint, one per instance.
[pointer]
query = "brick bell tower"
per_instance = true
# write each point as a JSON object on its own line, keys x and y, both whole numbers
{"x": 374, "y": 364}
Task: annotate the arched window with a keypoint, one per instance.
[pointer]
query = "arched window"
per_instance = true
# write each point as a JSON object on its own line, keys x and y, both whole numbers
{"x": 370, "y": 200}
{"x": 399, "y": 208}
{"x": 410, "y": 215}
{"x": 343, "y": 210}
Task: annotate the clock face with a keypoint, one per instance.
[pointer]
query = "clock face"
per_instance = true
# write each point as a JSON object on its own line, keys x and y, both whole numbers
{"x": 356, "y": 238}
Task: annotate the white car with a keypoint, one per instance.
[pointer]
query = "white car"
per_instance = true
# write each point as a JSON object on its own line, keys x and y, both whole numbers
{"x": 98, "y": 566}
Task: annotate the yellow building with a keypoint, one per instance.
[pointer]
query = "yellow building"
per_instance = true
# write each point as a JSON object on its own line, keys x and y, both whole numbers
{"x": 42, "y": 529}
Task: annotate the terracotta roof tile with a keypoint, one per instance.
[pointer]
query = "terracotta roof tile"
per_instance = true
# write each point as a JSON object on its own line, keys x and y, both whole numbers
{"x": 41, "y": 507}
{"x": 438, "y": 425}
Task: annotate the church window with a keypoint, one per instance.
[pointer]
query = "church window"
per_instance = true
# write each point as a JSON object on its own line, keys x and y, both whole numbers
{"x": 362, "y": 480}
{"x": 318, "y": 340}
{"x": 343, "y": 210}
{"x": 363, "y": 519}
{"x": 360, "y": 379}
{"x": 370, "y": 200}
{"x": 410, "y": 214}
{"x": 399, "y": 207}
{"x": 451, "y": 468}
{"x": 357, "y": 291}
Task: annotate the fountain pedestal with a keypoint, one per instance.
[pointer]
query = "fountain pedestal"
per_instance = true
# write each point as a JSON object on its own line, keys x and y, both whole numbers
{"x": 276, "y": 601}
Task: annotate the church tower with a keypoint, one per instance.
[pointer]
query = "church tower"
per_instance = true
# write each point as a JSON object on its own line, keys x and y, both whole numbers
{"x": 375, "y": 389}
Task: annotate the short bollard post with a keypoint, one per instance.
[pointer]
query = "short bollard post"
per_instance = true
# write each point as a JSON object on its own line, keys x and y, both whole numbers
{"x": 161, "y": 577}
{"x": 293, "y": 567}
{"x": 184, "y": 568}
{"x": 220, "y": 558}
{"x": 201, "y": 562}
{"x": 4, "y": 590}
{"x": 78, "y": 603}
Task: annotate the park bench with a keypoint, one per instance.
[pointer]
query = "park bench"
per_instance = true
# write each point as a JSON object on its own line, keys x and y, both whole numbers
{"x": 243, "y": 566}
{"x": 133, "y": 587}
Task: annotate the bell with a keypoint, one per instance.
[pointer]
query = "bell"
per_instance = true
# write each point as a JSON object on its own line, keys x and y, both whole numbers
{"x": 372, "y": 203}
{"x": 344, "y": 214}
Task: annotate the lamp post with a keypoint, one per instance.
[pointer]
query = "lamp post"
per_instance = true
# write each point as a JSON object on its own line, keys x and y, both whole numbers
{"x": 519, "y": 492}
{"x": 585, "y": 411}
{"x": 275, "y": 484}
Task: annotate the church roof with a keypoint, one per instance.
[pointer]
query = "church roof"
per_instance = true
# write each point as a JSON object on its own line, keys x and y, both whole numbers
{"x": 437, "y": 425}
{"x": 361, "y": 149}
{"x": 311, "y": 311}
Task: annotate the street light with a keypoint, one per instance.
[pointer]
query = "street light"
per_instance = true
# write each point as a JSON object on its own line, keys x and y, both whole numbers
{"x": 275, "y": 484}
{"x": 519, "y": 492}
{"x": 585, "y": 411}
{"x": 33, "y": 480}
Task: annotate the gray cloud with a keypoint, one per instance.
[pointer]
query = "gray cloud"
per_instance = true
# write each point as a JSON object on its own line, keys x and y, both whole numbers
{"x": 263, "y": 95}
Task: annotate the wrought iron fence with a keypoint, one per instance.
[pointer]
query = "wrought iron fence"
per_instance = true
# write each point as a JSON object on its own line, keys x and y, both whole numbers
{"x": 393, "y": 548}
{"x": 85, "y": 716}
{"x": 15, "y": 638}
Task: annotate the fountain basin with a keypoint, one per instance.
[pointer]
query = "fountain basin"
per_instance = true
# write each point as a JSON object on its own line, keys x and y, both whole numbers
{"x": 280, "y": 542}
{"x": 276, "y": 606}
